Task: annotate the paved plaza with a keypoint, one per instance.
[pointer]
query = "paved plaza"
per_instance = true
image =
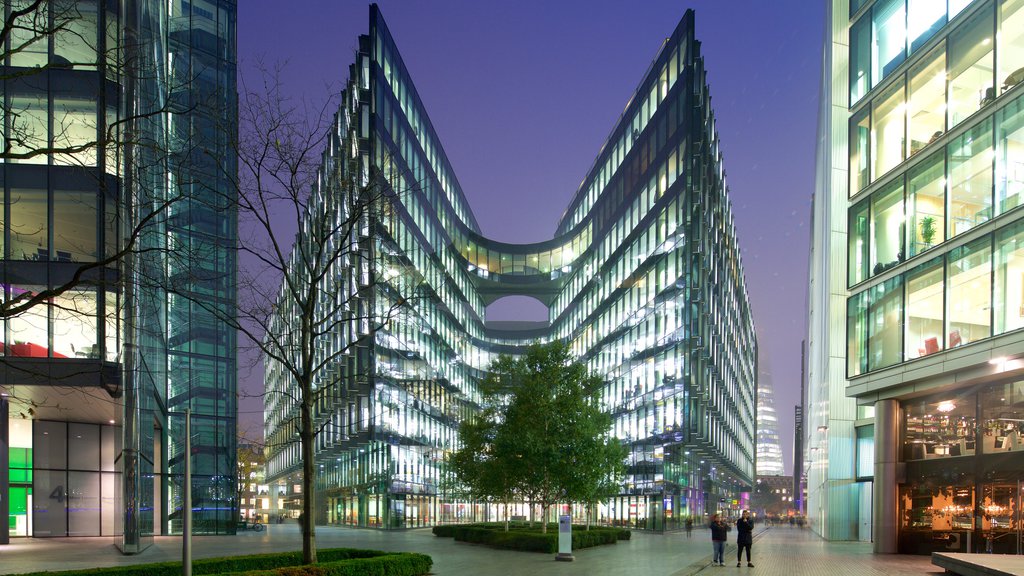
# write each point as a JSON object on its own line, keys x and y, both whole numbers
{"x": 777, "y": 552}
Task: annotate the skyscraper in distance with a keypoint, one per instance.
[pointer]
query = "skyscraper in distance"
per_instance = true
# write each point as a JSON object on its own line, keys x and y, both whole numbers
{"x": 769, "y": 452}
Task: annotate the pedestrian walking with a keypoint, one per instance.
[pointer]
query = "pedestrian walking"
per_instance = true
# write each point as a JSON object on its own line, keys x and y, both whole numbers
{"x": 689, "y": 527}
{"x": 718, "y": 538}
{"x": 744, "y": 537}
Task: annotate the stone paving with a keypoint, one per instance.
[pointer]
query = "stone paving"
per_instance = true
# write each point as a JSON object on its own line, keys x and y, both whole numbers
{"x": 776, "y": 552}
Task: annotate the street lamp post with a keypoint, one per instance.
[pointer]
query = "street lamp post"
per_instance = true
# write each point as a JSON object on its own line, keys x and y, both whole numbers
{"x": 186, "y": 537}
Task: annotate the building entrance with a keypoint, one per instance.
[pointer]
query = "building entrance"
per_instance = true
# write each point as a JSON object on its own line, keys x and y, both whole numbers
{"x": 1001, "y": 518}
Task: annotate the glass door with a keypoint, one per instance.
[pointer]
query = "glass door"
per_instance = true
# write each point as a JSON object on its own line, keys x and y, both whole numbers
{"x": 20, "y": 521}
{"x": 1001, "y": 518}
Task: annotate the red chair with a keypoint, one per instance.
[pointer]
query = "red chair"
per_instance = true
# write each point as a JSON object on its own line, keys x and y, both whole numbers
{"x": 954, "y": 339}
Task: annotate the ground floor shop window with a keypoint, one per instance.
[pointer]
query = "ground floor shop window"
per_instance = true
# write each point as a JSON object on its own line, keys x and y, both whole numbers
{"x": 964, "y": 487}
{"x": 935, "y": 518}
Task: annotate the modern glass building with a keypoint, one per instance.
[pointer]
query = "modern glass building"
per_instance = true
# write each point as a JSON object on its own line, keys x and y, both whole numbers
{"x": 769, "y": 452}
{"x": 105, "y": 105}
{"x": 916, "y": 367}
{"x": 643, "y": 277}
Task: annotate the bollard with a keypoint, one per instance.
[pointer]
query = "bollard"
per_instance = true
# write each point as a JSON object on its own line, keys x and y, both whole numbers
{"x": 565, "y": 539}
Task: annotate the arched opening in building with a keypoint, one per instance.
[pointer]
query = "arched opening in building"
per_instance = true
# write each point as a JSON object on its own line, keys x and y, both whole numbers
{"x": 525, "y": 309}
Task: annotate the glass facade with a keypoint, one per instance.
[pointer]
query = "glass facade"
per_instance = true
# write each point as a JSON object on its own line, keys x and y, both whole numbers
{"x": 643, "y": 278}
{"x": 928, "y": 132}
{"x": 104, "y": 103}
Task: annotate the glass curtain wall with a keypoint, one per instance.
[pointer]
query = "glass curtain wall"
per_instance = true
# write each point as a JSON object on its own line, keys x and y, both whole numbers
{"x": 629, "y": 225}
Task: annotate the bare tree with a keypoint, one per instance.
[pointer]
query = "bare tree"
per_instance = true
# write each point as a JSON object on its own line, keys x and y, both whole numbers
{"x": 312, "y": 285}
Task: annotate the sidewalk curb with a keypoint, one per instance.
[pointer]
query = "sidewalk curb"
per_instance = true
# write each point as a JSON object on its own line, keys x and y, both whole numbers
{"x": 705, "y": 562}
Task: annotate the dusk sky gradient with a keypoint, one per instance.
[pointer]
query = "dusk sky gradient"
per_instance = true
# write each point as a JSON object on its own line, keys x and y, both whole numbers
{"x": 523, "y": 94}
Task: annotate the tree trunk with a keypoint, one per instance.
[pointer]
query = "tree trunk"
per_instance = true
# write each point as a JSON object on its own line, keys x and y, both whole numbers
{"x": 544, "y": 518}
{"x": 589, "y": 512}
{"x": 506, "y": 515}
{"x": 308, "y": 522}
{"x": 532, "y": 514}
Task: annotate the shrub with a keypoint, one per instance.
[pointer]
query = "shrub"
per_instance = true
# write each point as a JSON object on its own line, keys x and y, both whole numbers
{"x": 403, "y": 564}
{"x": 333, "y": 562}
{"x": 444, "y": 530}
{"x": 522, "y": 537}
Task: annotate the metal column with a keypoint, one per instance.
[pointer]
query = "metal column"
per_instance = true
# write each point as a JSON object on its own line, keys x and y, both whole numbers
{"x": 5, "y": 473}
{"x": 886, "y": 528}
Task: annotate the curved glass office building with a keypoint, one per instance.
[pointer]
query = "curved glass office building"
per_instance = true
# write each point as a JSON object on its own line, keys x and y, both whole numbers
{"x": 643, "y": 277}
{"x": 916, "y": 382}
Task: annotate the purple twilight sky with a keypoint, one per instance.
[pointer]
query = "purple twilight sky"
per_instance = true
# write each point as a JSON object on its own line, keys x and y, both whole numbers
{"x": 522, "y": 95}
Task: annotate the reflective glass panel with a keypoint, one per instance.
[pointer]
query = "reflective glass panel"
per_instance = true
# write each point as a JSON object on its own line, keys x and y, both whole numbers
{"x": 970, "y": 179}
{"x": 889, "y": 29}
{"x": 940, "y": 427}
{"x": 925, "y": 289}
{"x": 887, "y": 130}
{"x": 28, "y": 41}
{"x": 924, "y": 19}
{"x": 74, "y": 226}
{"x": 926, "y": 204}
{"x": 29, "y": 224}
{"x": 26, "y": 332}
{"x": 75, "y": 325}
{"x": 1001, "y": 409}
{"x": 885, "y": 318}
{"x": 887, "y": 227}
{"x": 970, "y": 67}
{"x": 1010, "y": 155}
{"x": 75, "y": 43}
{"x": 858, "y": 239}
{"x": 926, "y": 118}
{"x": 860, "y": 59}
{"x": 860, "y": 134}
{"x": 1010, "y": 51}
{"x": 27, "y": 128}
{"x": 1009, "y": 279}
{"x": 969, "y": 305}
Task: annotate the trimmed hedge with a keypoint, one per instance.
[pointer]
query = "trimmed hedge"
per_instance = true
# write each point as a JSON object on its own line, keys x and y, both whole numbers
{"x": 522, "y": 537}
{"x": 398, "y": 564}
{"x": 332, "y": 562}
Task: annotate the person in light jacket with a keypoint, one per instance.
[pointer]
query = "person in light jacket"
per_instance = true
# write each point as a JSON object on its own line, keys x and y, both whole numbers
{"x": 718, "y": 538}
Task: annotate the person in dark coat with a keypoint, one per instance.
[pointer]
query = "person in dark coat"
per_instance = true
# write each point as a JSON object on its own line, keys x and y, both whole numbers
{"x": 718, "y": 538}
{"x": 744, "y": 537}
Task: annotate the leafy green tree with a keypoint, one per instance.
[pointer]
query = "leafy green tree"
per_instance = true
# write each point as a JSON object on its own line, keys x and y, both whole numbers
{"x": 542, "y": 435}
{"x": 484, "y": 468}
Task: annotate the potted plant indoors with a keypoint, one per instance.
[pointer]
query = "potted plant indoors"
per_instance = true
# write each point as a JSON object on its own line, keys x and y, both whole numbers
{"x": 927, "y": 231}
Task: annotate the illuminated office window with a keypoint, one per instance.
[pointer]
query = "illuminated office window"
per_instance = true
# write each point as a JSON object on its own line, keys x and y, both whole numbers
{"x": 969, "y": 303}
{"x": 1009, "y": 279}
{"x": 926, "y": 118}
{"x": 888, "y": 130}
{"x": 924, "y": 324}
{"x": 971, "y": 67}
{"x": 970, "y": 178}
{"x": 926, "y": 204}
{"x": 889, "y": 31}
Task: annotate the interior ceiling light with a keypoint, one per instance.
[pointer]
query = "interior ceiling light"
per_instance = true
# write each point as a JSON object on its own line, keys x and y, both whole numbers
{"x": 946, "y": 406}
